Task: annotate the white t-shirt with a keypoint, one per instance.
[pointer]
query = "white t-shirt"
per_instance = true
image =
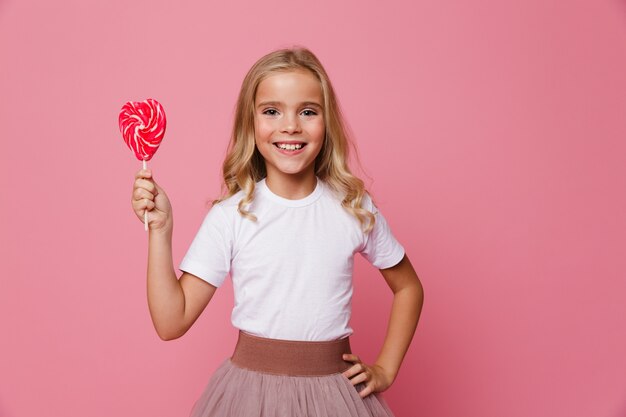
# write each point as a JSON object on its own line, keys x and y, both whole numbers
{"x": 292, "y": 268}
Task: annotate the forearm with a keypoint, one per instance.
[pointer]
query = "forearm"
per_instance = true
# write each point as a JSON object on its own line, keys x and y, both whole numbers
{"x": 166, "y": 300}
{"x": 405, "y": 312}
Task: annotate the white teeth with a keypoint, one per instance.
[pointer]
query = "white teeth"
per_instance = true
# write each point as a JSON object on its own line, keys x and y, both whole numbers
{"x": 289, "y": 147}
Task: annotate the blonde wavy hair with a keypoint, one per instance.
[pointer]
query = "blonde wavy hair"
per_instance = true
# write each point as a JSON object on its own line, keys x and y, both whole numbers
{"x": 244, "y": 164}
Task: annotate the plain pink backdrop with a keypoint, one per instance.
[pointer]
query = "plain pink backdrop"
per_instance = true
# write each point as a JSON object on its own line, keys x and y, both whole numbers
{"x": 494, "y": 137}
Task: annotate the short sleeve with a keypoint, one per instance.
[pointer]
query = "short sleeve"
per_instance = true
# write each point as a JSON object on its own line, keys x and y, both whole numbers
{"x": 209, "y": 254}
{"x": 381, "y": 248}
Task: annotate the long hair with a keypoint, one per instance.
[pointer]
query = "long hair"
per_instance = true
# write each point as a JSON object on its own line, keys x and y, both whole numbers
{"x": 244, "y": 165}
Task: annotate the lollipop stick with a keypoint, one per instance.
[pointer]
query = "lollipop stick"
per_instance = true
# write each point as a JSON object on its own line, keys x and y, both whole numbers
{"x": 145, "y": 213}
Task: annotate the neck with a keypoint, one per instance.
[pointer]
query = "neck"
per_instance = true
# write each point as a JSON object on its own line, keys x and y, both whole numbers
{"x": 292, "y": 187}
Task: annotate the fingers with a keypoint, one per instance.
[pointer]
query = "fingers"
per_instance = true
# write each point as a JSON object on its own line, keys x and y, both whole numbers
{"x": 145, "y": 204}
{"x": 358, "y": 373}
{"x": 143, "y": 180}
{"x": 142, "y": 201}
{"x": 144, "y": 191}
{"x": 354, "y": 369}
{"x": 363, "y": 376}
{"x": 361, "y": 373}
{"x": 358, "y": 369}
{"x": 366, "y": 391}
{"x": 143, "y": 173}
{"x": 360, "y": 377}
{"x": 351, "y": 357}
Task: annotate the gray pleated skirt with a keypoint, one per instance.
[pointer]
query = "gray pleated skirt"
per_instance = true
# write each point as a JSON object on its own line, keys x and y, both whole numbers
{"x": 286, "y": 378}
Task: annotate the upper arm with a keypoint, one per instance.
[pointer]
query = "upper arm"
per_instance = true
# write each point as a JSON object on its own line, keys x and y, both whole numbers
{"x": 402, "y": 275}
{"x": 198, "y": 293}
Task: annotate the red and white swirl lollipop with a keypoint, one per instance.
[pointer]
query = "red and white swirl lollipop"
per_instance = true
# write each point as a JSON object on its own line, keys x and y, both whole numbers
{"x": 143, "y": 127}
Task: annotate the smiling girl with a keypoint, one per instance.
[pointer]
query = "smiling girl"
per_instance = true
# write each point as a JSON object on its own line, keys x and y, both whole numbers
{"x": 286, "y": 229}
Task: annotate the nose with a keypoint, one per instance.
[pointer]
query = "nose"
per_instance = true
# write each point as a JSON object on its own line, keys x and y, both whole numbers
{"x": 290, "y": 124}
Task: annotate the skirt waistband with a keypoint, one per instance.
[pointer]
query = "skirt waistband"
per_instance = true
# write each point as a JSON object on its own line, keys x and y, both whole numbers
{"x": 291, "y": 357}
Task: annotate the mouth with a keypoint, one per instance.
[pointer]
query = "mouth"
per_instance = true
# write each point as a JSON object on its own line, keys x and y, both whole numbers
{"x": 290, "y": 146}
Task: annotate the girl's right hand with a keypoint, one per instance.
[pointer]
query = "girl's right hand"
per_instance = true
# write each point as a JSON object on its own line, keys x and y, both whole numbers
{"x": 147, "y": 195}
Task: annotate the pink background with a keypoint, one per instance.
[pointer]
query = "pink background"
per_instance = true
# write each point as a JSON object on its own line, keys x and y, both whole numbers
{"x": 494, "y": 136}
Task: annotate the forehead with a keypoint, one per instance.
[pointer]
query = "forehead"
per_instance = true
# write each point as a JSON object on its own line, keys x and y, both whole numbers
{"x": 298, "y": 85}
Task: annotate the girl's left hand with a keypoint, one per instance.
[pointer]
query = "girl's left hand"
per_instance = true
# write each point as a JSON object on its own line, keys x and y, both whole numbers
{"x": 375, "y": 377}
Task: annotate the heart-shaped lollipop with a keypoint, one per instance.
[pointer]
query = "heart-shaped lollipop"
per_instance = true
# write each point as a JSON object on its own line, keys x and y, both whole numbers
{"x": 143, "y": 127}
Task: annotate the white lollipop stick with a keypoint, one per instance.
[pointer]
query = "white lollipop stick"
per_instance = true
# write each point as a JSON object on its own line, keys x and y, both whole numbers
{"x": 145, "y": 213}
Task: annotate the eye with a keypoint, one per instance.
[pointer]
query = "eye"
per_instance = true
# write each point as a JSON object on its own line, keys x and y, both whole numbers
{"x": 270, "y": 110}
{"x": 311, "y": 112}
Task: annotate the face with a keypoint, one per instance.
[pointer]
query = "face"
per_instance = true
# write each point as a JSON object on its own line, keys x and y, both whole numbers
{"x": 289, "y": 123}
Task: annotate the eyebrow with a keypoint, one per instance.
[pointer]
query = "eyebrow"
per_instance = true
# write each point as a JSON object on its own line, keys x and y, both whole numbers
{"x": 276, "y": 103}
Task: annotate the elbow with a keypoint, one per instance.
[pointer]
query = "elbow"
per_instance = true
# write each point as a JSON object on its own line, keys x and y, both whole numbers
{"x": 166, "y": 337}
{"x": 420, "y": 287}
{"x": 420, "y": 291}
{"x": 169, "y": 334}
{"x": 416, "y": 291}
{"x": 413, "y": 286}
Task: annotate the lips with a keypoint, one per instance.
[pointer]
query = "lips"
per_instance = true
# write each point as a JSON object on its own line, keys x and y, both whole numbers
{"x": 289, "y": 143}
{"x": 301, "y": 145}
{"x": 290, "y": 151}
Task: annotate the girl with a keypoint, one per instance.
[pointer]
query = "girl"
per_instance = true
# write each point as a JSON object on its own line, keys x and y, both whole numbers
{"x": 286, "y": 230}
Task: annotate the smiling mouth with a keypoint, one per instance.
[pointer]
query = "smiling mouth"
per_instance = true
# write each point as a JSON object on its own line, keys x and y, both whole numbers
{"x": 289, "y": 146}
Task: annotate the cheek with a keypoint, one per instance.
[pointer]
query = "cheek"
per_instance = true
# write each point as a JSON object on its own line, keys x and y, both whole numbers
{"x": 319, "y": 130}
{"x": 262, "y": 129}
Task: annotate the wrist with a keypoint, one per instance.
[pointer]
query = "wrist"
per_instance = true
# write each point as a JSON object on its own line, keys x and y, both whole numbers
{"x": 388, "y": 371}
{"x": 164, "y": 231}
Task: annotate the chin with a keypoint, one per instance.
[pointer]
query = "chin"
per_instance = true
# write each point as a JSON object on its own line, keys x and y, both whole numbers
{"x": 292, "y": 170}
